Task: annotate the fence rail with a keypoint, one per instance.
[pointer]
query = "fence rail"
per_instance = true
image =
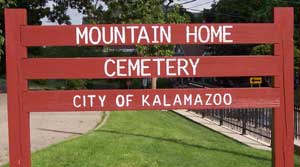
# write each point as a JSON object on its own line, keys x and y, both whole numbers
{"x": 256, "y": 123}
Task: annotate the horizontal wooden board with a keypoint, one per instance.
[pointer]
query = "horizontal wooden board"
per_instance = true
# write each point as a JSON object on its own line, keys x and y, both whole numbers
{"x": 196, "y": 66}
{"x": 145, "y": 99}
{"x": 133, "y": 34}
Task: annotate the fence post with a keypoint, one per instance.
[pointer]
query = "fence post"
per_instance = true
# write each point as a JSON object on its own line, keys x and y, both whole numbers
{"x": 295, "y": 123}
{"x": 297, "y": 120}
{"x": 256, "y": 117}
{"x": 221, "y": 116}
{"x": 244, "y": 121}
{"x": 203, "y": 113}
{"x": 18, "y": 119}
{"x": 283, "y": 125}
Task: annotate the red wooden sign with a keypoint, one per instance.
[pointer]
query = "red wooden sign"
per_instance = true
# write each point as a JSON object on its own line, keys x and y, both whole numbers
{"x": 20, "y": 69}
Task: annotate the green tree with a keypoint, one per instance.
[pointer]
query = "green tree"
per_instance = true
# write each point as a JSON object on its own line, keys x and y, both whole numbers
{"x": 136, "y": 12}
{"x": 106, "y": 11}
{"x": 262, "y": 50}
{"x": 268, "y": 50}
{"x": 3, "y": 4}
{"x": 247, "y": 11}
{"x": 36, "y": 10}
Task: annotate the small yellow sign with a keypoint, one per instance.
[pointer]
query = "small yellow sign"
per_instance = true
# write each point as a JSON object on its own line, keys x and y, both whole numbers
{"x": 255, "y": 80}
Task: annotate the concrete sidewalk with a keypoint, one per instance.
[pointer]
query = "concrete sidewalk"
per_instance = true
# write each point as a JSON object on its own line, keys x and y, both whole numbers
{"x": 246, "y": 139}
{"x": 47, "y": 128}
{"x": 225, "y": 131}
{"x": 297, "y": 143}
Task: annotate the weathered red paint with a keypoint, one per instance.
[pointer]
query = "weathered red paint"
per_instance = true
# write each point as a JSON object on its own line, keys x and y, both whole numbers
{"x": 22, "y": 101}
{"x": 283, "y": 141}
{"x": 46, "y": 101}
{"x": 219, "y": 66}
{"x": 18, "y": 119}
{"x": 64, "y": 35}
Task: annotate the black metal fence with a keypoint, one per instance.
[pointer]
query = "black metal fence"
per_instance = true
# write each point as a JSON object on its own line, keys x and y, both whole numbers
{"x": 256, "y": 123}
{"x": 297, "y": 122}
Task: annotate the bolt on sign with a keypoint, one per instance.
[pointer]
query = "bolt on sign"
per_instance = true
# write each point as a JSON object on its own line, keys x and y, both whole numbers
{"x": 20, "y": 69}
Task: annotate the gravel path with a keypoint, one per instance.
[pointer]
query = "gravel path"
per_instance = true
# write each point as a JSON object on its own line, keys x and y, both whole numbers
{"x": 47, "y": 128}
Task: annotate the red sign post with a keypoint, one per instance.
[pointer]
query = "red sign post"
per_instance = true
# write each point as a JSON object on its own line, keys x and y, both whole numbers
{"x": 20, "y": 69}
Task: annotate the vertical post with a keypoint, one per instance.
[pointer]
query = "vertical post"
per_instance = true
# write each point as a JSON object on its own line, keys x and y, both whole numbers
{"x": 244, "y": 121}
{"x": 298, "y": 123}
{"x": 295, "y": 123}
{"x": 203, "y": 113}
{"x": 283, "y": 126}
{"x": 221, "y": 116}
{"x": 18, "y": 119}
{"x": 255, "y": 118}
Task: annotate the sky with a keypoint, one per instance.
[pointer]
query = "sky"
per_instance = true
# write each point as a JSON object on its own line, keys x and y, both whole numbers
{"x": 194, "y": 6}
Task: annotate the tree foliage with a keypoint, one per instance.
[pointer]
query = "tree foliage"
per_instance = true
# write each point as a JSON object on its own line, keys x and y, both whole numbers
{"x": 3, "y": 4}
{"x": 137, "y": 12}
{"x": 262, "y": 50}
{"x": 248, "y": 11}
{"x": 97, "y": 11}
{"x": 38, "y": 9}
{"x": 268, "y": 50}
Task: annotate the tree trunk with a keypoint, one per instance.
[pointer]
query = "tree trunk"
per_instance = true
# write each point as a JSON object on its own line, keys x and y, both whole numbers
{"x": 154, "y": 82}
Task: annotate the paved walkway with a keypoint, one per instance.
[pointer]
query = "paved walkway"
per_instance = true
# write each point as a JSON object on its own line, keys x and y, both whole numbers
{"x": 225, "y": 131}
{"x": 47, "y": 128}
{"x": 297, "y": 143}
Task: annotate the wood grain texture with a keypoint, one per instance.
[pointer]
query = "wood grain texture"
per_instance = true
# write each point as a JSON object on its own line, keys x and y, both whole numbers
{"x": 283, "y": 129}
{"x": 212, "y": 66}
{"x": 44, "y": 101}
{"x": 66, "y": 35}
{"x": 18, "y": 119}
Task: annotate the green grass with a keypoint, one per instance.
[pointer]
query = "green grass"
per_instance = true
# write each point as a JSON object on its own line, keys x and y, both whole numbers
{"x": 151, "y": 139}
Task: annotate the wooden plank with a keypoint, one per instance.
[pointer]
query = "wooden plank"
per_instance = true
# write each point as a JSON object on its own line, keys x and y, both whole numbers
{"x": 146, "y": 99}
{"x": 150, "y": 34}
{"x": 18, "y": 119}
{"x": 196, "y": 66}
{"x": 283, "y": 125}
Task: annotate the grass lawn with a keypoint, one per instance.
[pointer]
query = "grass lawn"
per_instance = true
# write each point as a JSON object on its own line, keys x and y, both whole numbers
{"x": 151, "y": 139}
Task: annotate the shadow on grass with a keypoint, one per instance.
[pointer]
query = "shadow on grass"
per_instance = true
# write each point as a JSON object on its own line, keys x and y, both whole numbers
{"x": 176, "y": 141}
{"x": 60, "y": 131}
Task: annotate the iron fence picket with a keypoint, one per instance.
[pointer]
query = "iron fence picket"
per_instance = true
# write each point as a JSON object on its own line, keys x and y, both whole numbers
{"x": 254, "y": 122}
